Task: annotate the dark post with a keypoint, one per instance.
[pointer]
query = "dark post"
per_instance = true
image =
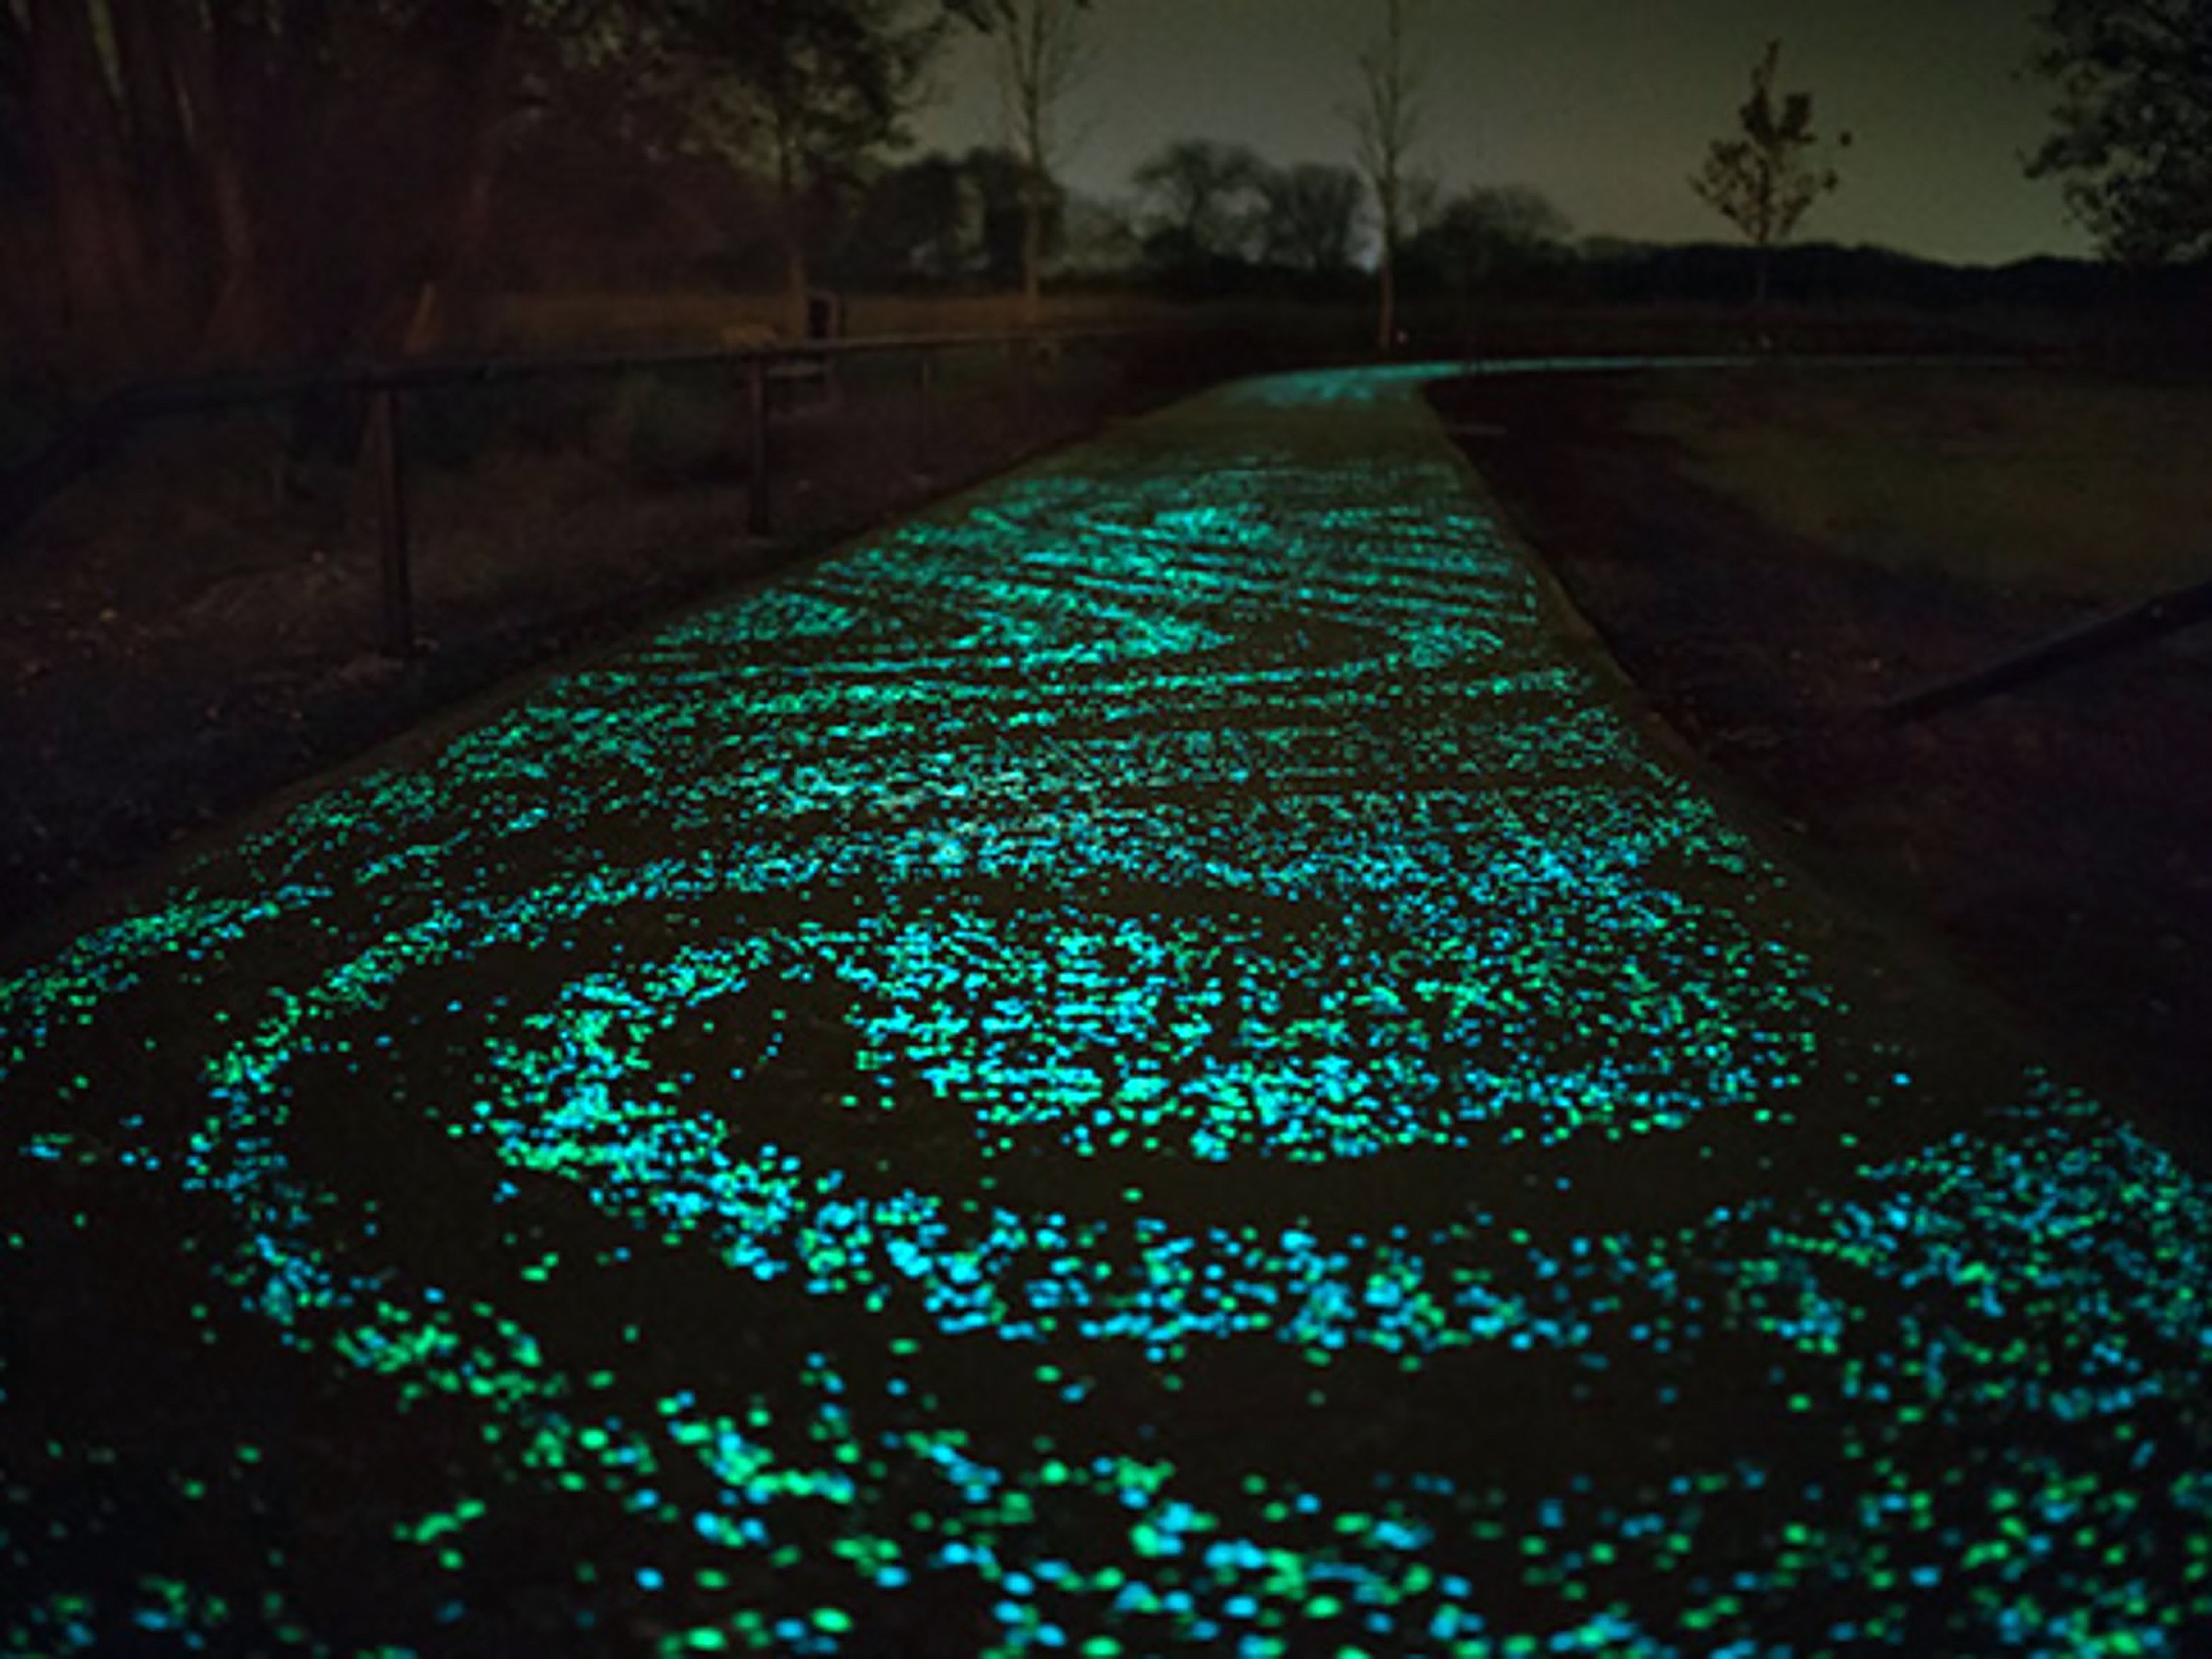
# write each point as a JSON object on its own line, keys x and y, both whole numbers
{"x": 756, "y": 513}
{"x": 925, "y": 385}
{"x": 390, "y": 440}
{"x": 1024, "y": 350}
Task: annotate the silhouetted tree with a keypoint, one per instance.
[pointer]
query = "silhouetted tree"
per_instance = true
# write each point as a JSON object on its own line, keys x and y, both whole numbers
{"x": 917, "y": 223}
{"x": 1387, "y": 121}
{"x": 1311, "y": 217}
{"x": 1201, "y": 202}
{"x": 1488, "y": 235}
{"x": 944, "y": 219}
{"x": 1040, "y": 56}
{"x": 14, "y": 84}
{"x": 999, "y": 185}
{"x": 228, "y": 179}
{"x": 809, "y": 94}
{"x": 1099, "y": 237}
{"x": 2134, "y": 138}
{"x": 232, "y": 180}
{"x": 1764, "y": 181}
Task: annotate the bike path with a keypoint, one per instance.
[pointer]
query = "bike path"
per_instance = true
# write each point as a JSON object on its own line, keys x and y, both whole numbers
{"x": 1153, "y": 1061}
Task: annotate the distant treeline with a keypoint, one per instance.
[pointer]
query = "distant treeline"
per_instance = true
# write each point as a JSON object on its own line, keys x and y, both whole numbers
{"x": 187, "y": 186}
{"x": 1208, "y": 221}
{"x": 1819, "y": 272}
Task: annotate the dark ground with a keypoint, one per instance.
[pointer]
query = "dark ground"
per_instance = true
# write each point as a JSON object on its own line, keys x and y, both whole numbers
{"x": 2059, "y": 838}
{"x": 195, "y": 625}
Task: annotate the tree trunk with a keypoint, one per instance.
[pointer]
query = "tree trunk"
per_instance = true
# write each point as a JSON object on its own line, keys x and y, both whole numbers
{"x": 230, "y": 327}
{"x": 82, "y": 159}
{"x": 171, "y": 208}
{"x": 1387, "y": 325}
{"x": 1032, "y": 251}
{"x": 258, "y": 102}
{"x": 1386, "y": 270}
{"x": 797, "y": 281}
{"x": 483, "y": 95}
{"x": 26, "y": 287}
{"x": 797, "y": 285}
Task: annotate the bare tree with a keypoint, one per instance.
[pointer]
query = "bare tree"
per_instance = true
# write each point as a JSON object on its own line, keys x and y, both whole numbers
{"x": 1312, "y": 218}
{"x": 172, "y": 164}
{"x": 168, "y": 168}
{"x": 1765, "y": 181}
{"x": 1040, "y": 55}
{"x": 1486, "y": 234}
{"x": 809, "y": 92}
{"x": 1387, "y": 120}
{"x": 1202, "y": 203}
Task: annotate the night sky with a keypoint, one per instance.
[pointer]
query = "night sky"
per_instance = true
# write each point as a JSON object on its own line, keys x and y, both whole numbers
{"x": 1606, "y": 105}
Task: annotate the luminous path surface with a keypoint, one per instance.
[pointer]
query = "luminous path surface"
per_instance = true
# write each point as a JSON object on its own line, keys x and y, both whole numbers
{"x": 1155, "y": 1061}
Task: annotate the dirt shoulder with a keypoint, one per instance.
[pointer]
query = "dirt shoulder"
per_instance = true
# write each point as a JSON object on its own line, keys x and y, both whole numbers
{"x": 194, "y": 626}
{"x": 2060, "y": 838}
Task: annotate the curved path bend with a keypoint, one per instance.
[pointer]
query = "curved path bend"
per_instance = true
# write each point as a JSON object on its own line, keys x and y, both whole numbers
{"x": 1152, "y": 1061}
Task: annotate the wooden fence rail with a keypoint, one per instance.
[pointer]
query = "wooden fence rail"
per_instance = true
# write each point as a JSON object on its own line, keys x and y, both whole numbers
{"x": 101, "y": 430}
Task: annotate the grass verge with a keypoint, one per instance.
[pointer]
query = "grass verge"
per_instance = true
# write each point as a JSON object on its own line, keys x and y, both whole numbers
{"x": 1770, "y": 554}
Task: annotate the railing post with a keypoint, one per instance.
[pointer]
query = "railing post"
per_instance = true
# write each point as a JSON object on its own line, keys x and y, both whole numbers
{"x": 389, "y": 439}
{"x": 925, "y": 387}
{"x": 757, "y": 517}
{"x": 1024, "y": 366}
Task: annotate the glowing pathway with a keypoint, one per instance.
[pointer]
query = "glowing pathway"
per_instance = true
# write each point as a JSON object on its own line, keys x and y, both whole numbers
{"x": 1147, "y": 1064}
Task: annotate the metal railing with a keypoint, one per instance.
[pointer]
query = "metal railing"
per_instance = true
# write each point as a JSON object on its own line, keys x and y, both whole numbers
{"x": 2130, "y": 629}
{"x": 758, "y": 369}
